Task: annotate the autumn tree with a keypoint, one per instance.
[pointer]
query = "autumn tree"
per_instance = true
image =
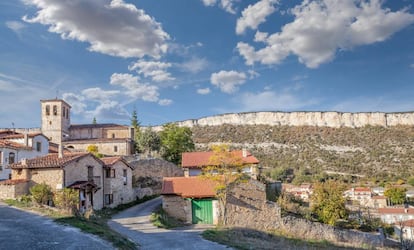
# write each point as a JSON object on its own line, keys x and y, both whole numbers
{"x": 225, "y": 168}
{"x": 175, "y": 140}
{"x": 328, "y": 202}
{"x": 149, "y": 141}
{"x": 396, "y": 195}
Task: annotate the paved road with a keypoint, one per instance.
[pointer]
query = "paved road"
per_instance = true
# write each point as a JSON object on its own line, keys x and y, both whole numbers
{"x": 134, "y": 223}
{"x": 24, "y": 230}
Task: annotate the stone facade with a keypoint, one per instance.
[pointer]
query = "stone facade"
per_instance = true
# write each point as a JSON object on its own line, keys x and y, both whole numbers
{"x": 148, "y": 174}
{"x": 55, "y": 119}
{"x": 177, "y": 207}
{"x": 12, "y": 189}
{"x": 321, "y": 119}
{"x": 106, "y": 147}
{"x": 116, "y": 185}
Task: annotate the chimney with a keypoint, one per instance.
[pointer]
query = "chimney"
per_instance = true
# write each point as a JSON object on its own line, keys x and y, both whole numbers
{"x": 244, "y": 153}
{"x": 60, "y": 150}
{"x": 26, "y": 139}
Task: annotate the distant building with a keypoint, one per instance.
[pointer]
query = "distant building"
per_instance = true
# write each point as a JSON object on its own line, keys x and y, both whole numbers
{"x": 110, "y": 139}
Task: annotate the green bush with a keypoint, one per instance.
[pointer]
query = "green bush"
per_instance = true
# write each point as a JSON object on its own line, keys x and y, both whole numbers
{"x": 41, "y": 193}
{"x": 67, "y": 199}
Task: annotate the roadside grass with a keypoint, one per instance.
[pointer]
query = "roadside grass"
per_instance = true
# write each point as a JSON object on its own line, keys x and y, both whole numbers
{"x": 96, "y": 223}
{"x": 160, "y": 218}
{"x": 245, "y": 239}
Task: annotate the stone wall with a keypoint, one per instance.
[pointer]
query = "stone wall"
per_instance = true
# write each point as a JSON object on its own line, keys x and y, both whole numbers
{"x": 177, "y": 207}
{"x": 11, "y": 189}
{"x": 148, "y": 175}
{"x": 121, "y": 193}
{"x": 321, "y": 119}
{"x": 247, "y": 207}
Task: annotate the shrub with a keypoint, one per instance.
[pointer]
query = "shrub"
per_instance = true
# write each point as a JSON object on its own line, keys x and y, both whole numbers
{"x": 67, "y": 199}
{"x": 41, "y": 193}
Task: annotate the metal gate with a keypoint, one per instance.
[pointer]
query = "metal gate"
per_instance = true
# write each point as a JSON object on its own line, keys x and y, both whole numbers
{"x": 202, "y": 211}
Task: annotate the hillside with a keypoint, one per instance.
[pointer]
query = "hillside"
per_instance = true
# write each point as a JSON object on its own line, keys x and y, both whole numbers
{"x": 307, "y": 152}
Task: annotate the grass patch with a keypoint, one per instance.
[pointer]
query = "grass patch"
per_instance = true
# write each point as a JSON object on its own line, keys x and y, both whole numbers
{"x": 161, "y": 219}
{"x": 96, "y": 223}
{"x": 251, "y": 239}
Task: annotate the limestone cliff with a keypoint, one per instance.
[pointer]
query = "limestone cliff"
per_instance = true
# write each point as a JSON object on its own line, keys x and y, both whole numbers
{"x": 320, "y": 119}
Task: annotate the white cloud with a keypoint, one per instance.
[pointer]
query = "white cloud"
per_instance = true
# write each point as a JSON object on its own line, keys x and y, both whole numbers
{"x": 97, "y": 94}
{"x": 165, "y": 102}
{"x": 412, "y": 65}
{"x": 108, "y": 110}
{"x": 16, "y": 26}
{"x": 110, "y": 27}
{"x": 320, "y": 28}
{"x": 154, "y": 69}
{"x": 254, "y": 15}
{"x": 252, "y": 74}
{"x": 227, "y": 5}
{"x": 134, "y": 88}
{"x": 194, "y": 65}
{"x": 204, "y": 91}
{"x": 76, "y": 101}
{"x": 228, "y": 81}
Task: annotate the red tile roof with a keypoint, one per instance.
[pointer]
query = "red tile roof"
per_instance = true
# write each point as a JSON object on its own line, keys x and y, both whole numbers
{"x": 20, "y": 135}
{"x": 407, "y": 223}
{"x": 13, "y": 145}
{"x": 13, "y": 182}
{"x": 50, "y": 161}
{"x": 110, "y": 161}
{"x": 202, "y": 159}
{"x": 395, "y": 210}
{"x": 189, "y": 187}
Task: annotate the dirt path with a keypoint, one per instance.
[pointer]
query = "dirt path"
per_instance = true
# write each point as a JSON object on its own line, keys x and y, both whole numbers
{"x": 135, "y": 224}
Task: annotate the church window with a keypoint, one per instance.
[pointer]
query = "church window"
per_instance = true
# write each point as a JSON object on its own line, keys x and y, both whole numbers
{"x": 47, "y": 110}
{"x": 55, "y": 110}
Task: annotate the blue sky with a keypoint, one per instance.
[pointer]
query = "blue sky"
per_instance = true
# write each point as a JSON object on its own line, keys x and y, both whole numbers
{"x": 186, "y": 59}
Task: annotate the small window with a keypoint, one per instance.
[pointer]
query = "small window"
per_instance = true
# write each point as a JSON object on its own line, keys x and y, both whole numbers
{"x": 115, "y": 148}
{"x": 109, "y": 199}
{"x": 67, "y": 114}
{"x": 110, "y": 173}
{"x": 64, "y": 112}
{"x": 55, "y": 110}
{"x": 38, "y": 146}
{"x": 11, "y": 158}
{"x": 125, "y": 176}
{"x": 113, "y": 136}
{"x": 47, "y": 110}
{"x": 90, "y": 173}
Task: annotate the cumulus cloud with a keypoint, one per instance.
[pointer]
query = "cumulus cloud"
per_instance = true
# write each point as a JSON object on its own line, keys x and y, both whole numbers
{"x": 165, "y": 102}
{"x": 110, "y": 27}
{"x": 98, "y": 94}
{"x": 321, "y": 28}
{"x": 108, "y": 110}
{"x": 16, "y": 26}
{"x": 194, "y": 65}
{"x": 134, "y": 88}
{"x": 228, "y": 81}
{"x": 76, "y": 101}
{"x": 157, "y": 71}
{"x": 227, "y": 5}
{"x": 254, "y": 15}
{"x": 204, "y": 91}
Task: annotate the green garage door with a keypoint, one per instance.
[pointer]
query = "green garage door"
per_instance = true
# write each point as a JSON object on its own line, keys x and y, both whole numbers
{"x": 202, "y": 211}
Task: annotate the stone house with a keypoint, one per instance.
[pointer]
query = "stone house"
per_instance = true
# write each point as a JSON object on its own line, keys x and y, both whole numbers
{"x": 193, "y": 162}
{"x": 117, "y": 181}
{"x": 302, "y": 192}
{"x": 82, "y": 171}
{"x": 406, "y": 229}
{"x": 190, "y": 199}
{"x": 359, "y": 194}
{"x": 17, "y": 146}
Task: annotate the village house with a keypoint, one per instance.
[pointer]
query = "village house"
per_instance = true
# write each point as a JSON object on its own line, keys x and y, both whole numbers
{"x": 118, "y": 181}
{"x": 405, "y": 229}
{"x": 302, "y": 192}
{"x": 193, "y": 162}
{"x": 17, "y": 146}
{"x": 393, "y": 215}
{"x": 360, "y": 194}
{"x": 190, "y": 199}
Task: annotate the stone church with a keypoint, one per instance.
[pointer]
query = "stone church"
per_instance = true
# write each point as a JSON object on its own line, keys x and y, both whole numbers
{"x": 110, "y": 139}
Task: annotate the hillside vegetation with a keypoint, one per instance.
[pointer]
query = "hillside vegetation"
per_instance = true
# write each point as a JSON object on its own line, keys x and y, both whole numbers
{"x": 305, "y": 153}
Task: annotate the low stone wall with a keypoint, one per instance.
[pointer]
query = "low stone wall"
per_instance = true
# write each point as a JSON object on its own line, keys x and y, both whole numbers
{"x": 11, "y": 189}
{"x": 177, "y": 207}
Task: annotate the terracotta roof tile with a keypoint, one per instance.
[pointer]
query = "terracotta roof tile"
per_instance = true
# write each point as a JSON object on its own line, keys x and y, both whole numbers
{"x": 407, "y": 223}
{"x": 188, "y": 187}
{"x": 13, "y": 145}
{"x": 49, "y": 161}
{"x": 201, "y": 159}
{"x": 13, "y": 182}
{"x": 395, "y": 210}
{"x": 109, "y": 161}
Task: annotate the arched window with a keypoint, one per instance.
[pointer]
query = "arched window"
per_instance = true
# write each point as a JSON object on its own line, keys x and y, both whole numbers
{"x": 47, "y": 110}
{"x": 55, "y": 110}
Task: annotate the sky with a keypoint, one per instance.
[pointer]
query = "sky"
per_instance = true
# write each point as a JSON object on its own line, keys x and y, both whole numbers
{"x": 187, "y": 59}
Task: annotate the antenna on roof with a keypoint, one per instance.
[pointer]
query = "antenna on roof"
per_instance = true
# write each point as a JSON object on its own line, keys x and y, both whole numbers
{"x": 57, "y": 93}
{"x": 13, "y": 127}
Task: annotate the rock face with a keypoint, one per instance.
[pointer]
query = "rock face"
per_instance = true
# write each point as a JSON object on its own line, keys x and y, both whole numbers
{"x": 320, "y": 119}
